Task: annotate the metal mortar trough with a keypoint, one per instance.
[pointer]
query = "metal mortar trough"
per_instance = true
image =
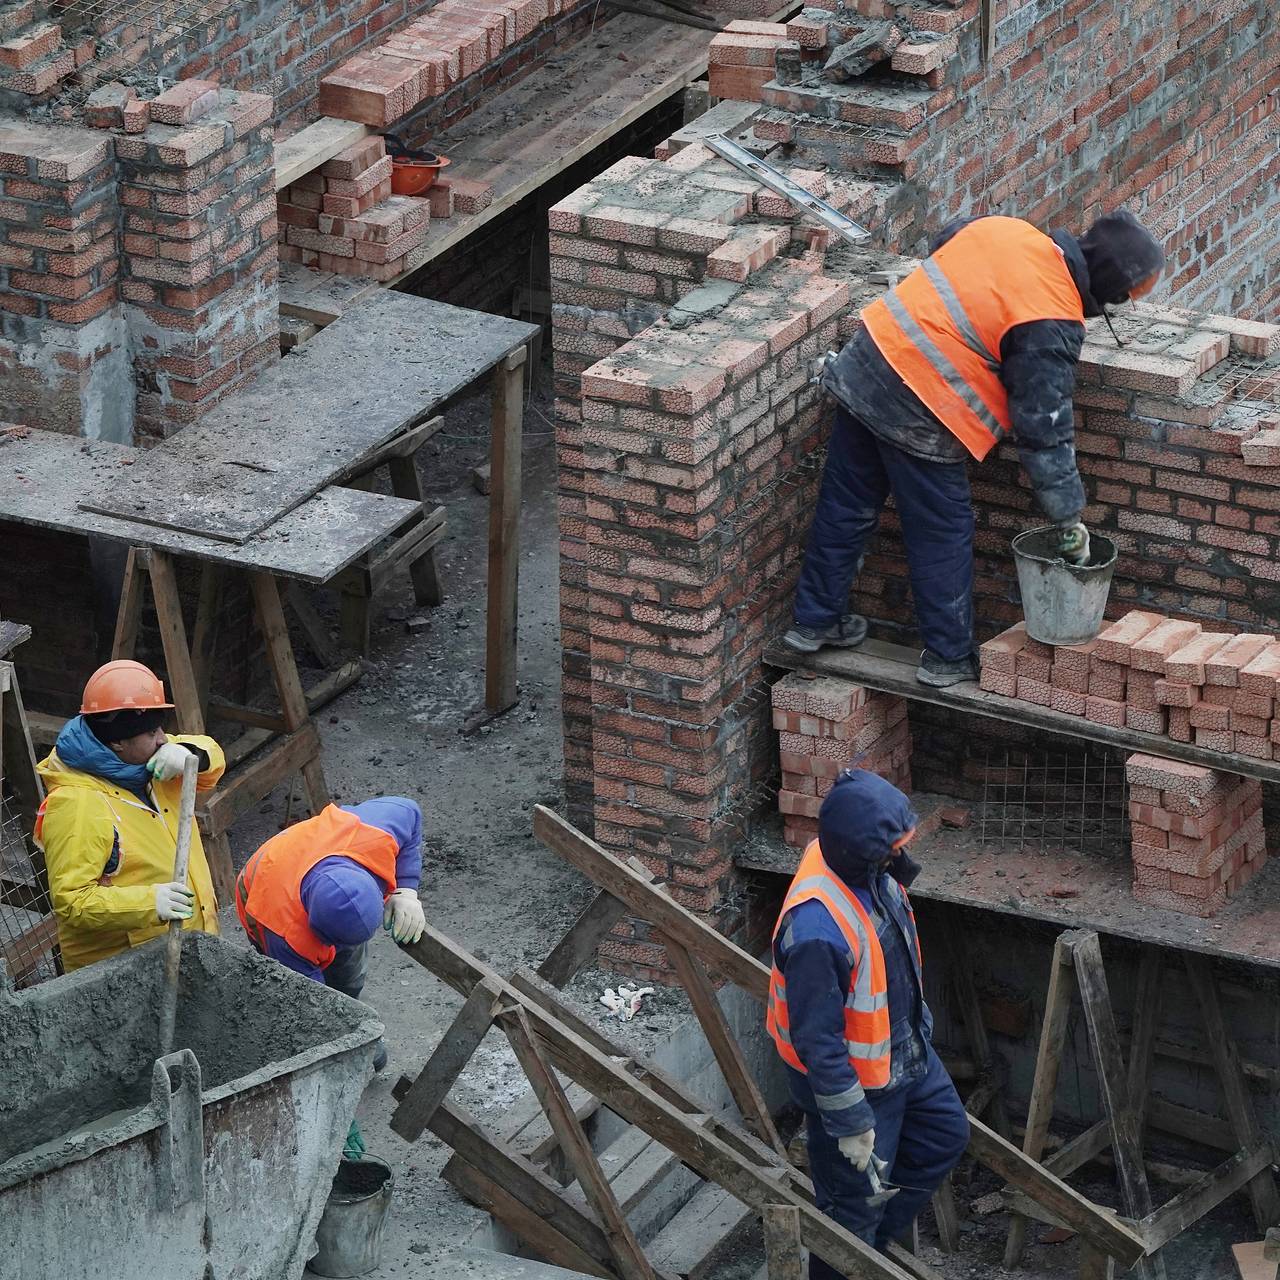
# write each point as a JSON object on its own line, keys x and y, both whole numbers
{"x": 211, "y": 1164}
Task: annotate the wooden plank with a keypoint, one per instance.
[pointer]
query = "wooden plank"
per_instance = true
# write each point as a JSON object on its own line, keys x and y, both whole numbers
{"x": 18, "y": 763}
{"x": 218, "y": 811}
{"x": 1146, "y": 1012}
{"x": 1044, "y": 1085}
{"x": 584, "y": 935}
{"x": 1252, "y": 1260}
{"x": 891, "y": 669}
{"x": 643, "y": 900}
{"x": 504, "y": 533}
{"x": 312, "y": 543}
{"x": 694, "y": 1244}
{"x": 403, "y": 446}
{"x": 22, "y": 955}
{"x": 1239, "y": 1105}
{"x": 311, "y": 146}
{"x": 204, "y": 635}
{"x": 1195, "y": 1126}
{"x": 1113, "y": 1085}
{"x": 129, "y": 611}
{"x": 1095, "y": 1264}
{"x": 1095, "y": 1223}
{"x": 183, "y": 688}
{"x": 1189, "y": 1206}
{"x": 455, "y": 1049}
{"x": 697, "y": 1144}
{"x": 626, "y": 1250}
{"x": 728, "y": 1053}
{"x": 782, "y": 1242}
{"x": 945, "y": 1216}
{"x": 379, "y": 369}
{"x": 319, "y": 640}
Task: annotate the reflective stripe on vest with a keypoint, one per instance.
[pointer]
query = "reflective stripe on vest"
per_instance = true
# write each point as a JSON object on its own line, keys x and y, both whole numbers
{"x": 269, "y": 889}
{"x": 866, "y": 1006}
{"x": 941, "y": 328}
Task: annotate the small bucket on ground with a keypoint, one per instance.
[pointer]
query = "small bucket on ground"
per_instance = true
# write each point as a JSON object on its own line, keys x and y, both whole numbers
{"x": 349, "y": 1237}
{"x": 1062, "y": 603}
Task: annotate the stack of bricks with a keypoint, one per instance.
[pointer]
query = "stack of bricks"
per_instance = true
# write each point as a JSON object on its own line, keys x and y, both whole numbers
{"x": 1198, "y": 835}
{"x": 343, "y": 218}
{"x": 34, "y": 56}
{"x": 826, "y": 725}
{"x": 1152, "y": 674}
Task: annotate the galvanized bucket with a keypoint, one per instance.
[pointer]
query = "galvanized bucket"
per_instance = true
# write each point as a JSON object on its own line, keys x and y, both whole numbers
{"x": 1062, "y": 603}
{"x": 349, "y": 1237}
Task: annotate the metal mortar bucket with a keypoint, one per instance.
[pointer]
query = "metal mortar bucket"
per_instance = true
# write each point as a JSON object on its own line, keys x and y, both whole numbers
{"x": 349, "y": 1237}
{"x": 1062, "y": 603}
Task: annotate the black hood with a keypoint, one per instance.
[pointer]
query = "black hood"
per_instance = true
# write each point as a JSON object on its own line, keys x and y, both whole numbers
{"x": 861, "y": 819}
{"x": 1119, "y": 253}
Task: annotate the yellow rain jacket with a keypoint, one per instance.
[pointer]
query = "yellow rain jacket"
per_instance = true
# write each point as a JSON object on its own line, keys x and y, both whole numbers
{"x": 87, "y": 823}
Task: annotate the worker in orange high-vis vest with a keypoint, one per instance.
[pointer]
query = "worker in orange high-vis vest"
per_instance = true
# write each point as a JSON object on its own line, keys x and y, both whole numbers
{"x": 978, "y": 343}
{"x": 313, "y": 896}
{"x": 847, "y": 1014}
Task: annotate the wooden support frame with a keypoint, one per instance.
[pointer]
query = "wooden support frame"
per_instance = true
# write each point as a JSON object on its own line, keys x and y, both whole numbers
{"x": 782, "y": 1247}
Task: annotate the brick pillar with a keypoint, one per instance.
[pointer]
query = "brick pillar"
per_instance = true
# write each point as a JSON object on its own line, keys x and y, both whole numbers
{"x": 64, "y": 359}
{"x": 1198, "y": 835}
{"x": 200, "y": 272}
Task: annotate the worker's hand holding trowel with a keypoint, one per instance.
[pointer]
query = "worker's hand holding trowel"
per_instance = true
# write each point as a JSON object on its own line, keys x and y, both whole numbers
{"x": 857, "y": 1148}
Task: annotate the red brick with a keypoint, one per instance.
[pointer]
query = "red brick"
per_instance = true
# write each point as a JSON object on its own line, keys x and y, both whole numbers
{"x": 1212, "y": 740}
{"x": 1070, "y": 702}
{"x": 1075, "y": 657}
{"x": 791, "y": 802}
{"x": 186, "y": 102}
{"x": 1037, "y": 692}
{"x": 364, "y": 182}
{"x": 1070, "y": 681}
{"x": 1258, "y": 748}
{"x": 20, "y": 51}
{"x": 1205, "y": 715}
{"x": 1105, "y": 711}
{"x": 1149, "y": 653}
{"x": 831, "y": 698}
{"x": 1188, "y": 663}
{"x": 1253, "y": 726}
{"x": 789, "y": 693}
{"x": 440, "y": 197}
{"x": 1225, "y": 666}
{"x": 1143, "y": 720}
{"x": 1182, "y": 779}
{"x": 354, "y": 160}
{"x": 1173, "y": 693}
{"x": 1033, "y": 666}
{"x": 470, "y": 196}
{"x": 1003, "y": 683}
{"x": 1260, "y": 676}
{"x": 1116, "y": 642}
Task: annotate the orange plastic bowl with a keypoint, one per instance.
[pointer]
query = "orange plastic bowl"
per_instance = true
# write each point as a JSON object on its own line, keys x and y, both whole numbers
{"x": 413, "y": 177}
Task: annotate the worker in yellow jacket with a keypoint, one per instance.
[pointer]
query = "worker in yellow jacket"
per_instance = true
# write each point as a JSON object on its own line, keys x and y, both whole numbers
{"x": 109, "y": 823}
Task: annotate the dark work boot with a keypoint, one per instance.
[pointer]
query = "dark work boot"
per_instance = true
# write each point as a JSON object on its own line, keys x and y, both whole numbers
{"x": 941, "y": 674}
{"x": 849, "y": 632}
{"x": 380, "y": 1055}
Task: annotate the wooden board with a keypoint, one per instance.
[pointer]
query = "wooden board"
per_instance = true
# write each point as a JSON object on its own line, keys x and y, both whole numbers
{"x": 382, "y": 367}
{"x": 892, "y": 669}
{"x": 309, "y": 148}
{"x": 44, "y": 476}
{"x": 958, "y": 869}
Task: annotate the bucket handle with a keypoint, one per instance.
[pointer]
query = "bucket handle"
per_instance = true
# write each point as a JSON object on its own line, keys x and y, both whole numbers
{"x": 176, "y": 1097}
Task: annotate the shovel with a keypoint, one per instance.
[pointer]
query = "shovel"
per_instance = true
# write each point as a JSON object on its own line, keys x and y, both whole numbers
{"x": 173, "y": 940}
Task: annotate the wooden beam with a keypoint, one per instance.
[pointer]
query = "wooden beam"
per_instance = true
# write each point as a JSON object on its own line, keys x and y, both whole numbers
{"x": 314, "y": 628}
{"x": 1146, "y": 1012}
{"x": 129, "y": 610}
{"x": 1239, "y": 1106}
{"x": 309, "y": 148}
{"x": 1104, "y": 1041}
{"x": 287, "y": 755}
{"x": 627, "y": 1253}
{"x": 1098, "y": 1225}
{"x": 204, "y": 634}
{"x": 184, "y": 689}
{"x": 643, "y": 900}
{"x": 451, "y": 1055}
{"x": 583, "y": 936}
{"x": 782, "y": 1245}
{"x": 1095, "y": 1264}
{"x": 1189, "y": 1206}
{"x": 506, "y": 443}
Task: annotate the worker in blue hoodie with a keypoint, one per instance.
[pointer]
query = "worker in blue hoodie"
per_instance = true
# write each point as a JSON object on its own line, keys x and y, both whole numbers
{"x": 848, "y": 1016}
{"x": 313, "y": 896}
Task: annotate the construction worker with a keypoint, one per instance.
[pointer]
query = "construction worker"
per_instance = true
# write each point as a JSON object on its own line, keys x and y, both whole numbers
{"x": 980, "y": 341}
{"x": 848, "y": 1015}
{"x": 109, "y": 823}
{"x": 313, "y": 896}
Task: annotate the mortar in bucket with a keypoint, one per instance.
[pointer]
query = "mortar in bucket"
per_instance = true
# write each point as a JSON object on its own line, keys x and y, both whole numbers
{"x": 1062, "y": 603}
{"x": 349, "y": 1237}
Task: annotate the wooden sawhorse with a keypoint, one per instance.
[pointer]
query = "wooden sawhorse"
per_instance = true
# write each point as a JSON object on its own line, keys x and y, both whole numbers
{"x": 189, "y": 665}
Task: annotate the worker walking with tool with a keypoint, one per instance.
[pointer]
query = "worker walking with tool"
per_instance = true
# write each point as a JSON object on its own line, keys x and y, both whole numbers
{"x": 979, "y": 342}
{"x": 848, "y": 1015}
{"x": 108, "y": 825}
{"x": 313, "y": 896}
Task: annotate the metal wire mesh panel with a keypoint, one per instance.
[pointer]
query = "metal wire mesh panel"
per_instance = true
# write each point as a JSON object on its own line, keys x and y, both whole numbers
{"x": 1060, "y": 801}
{"x": 28, "y": 933}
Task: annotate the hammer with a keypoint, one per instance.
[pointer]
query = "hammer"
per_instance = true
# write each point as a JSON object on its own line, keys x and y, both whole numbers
{"x": 880, "y": 1194}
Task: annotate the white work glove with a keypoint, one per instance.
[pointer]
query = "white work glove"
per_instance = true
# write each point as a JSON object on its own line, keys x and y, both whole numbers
{"x": 174, "y": 901}
{"x": 857, "y": 1149}
{"x": 1073, "y": 544}
{"x": 404, "y": 919}
{"x": 168, "y": 761}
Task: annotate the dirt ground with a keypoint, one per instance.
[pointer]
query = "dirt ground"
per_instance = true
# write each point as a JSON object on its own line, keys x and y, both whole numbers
{"x": 495, "y": 889}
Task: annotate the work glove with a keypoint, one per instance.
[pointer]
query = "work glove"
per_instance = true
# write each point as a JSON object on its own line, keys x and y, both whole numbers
{"x": 353, "y": 1148}
{"x": 1073, "y": 543}
{"x": 174, "y": 901}
{"x": 404, "y": 919}
{"x": 857, "y": 1149}
{"x": 167, "y": 762}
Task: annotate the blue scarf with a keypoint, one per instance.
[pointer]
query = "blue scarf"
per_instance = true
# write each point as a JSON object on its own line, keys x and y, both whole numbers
{"x": 79, "y": 748}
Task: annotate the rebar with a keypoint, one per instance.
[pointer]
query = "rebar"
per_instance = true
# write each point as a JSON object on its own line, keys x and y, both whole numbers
{"x": 24, "y": 906}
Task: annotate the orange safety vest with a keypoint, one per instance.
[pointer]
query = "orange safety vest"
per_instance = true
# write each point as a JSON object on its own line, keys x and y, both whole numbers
{"x": 941, "y": 328}
{"x": 866, "y": 1006}
{"x": 269, "y": 889}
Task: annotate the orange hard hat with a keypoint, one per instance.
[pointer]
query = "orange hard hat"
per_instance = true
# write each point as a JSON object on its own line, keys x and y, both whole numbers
{"x": 122, "y": 685}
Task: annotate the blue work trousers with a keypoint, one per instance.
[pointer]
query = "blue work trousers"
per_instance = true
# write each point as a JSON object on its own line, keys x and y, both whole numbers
{"x": 937, "y": 527}
{"x": 921, "y": 1132}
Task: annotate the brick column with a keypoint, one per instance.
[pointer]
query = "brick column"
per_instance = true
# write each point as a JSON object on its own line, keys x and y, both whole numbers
{"x": 200, "y": 273}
